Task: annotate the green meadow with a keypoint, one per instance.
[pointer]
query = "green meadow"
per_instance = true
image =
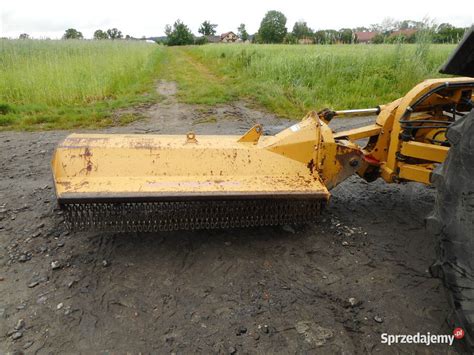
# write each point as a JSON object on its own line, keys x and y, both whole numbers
{"x": 72, "y": 84}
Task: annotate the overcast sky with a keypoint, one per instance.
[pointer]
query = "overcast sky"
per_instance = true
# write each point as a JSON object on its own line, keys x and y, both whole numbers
{"x": 49, "y": 18}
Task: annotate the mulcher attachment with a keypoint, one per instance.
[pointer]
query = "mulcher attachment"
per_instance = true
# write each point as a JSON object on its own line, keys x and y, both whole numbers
{"x": 153, "y": 182}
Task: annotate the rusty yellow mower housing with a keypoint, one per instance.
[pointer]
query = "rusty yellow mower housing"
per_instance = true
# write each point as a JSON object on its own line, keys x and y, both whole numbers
{"x": 158, "y": 182}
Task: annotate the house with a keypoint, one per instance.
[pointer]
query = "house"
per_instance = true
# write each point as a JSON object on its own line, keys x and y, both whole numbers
{"x": 229, "y": 37}
{"x": 365, "y": 37}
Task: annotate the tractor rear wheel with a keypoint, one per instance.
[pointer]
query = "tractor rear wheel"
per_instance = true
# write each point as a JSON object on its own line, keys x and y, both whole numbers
{"x": 452, "y": 223}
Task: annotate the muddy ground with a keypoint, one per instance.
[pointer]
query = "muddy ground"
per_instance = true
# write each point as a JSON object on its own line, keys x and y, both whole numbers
{"x": 330, "y": 287}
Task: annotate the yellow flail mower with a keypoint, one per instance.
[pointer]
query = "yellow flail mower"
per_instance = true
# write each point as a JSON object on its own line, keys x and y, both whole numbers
{"x": 135, "y": 182}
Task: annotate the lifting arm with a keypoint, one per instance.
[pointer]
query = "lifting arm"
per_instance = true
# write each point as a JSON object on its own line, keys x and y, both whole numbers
{"x": 407, "y": 140}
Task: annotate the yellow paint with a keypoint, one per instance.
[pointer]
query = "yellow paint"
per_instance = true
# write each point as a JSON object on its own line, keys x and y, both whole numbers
{"x": 359, "y": 133}
{"x": 388, "y": 145}
{"x": 114, "y": 164}
{"x": 425, "y": 151}
{"x": 418, "y": 173}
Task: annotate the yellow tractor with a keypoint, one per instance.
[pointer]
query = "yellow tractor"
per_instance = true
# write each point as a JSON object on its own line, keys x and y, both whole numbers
{"x": 149, "y": 183}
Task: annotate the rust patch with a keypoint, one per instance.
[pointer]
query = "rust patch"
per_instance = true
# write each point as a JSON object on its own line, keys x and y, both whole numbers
{"x": 82, "y": 184}
{"x": 66, "y": 184}
{"x": 87, "y": 157}
{"x": 310, "y": 166}
{"x": 87, "y": 153}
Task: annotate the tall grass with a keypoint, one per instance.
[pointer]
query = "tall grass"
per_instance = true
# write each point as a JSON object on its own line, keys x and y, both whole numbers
{"x": 293, "y": 79}
{"x": 66, "y": 84}
{"x": 43, "y": 75}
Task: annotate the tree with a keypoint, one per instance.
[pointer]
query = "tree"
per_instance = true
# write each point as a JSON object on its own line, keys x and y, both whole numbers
{"x": 114, "y": 33}
{"x": 388, "y": 25}
{"x": 207, "y": 29}
{"x": 273, "y": 27}
{"x": 326, "y": 37}
{"x": 242, "y": 32}
{"x": 99, "y": 34}
{"x": 361, "y": 29}
{"x": 447, "y": 33}
{"x": 290, "y": 38}
{"x": 376, "y": 28}
{"x": 72, "y": 33}
{"x": 346, "y": 36}
{"x": 379, "y": 38}
{"x": 301, "y": 30}
{"x": 255, "y": 38}
{"x": 409, "y": 25}
{"x": 201, "y": 40}
{"x": 320, "y": 37}
{"x": 179, "y": 34}
{"x": 24, "y": 36}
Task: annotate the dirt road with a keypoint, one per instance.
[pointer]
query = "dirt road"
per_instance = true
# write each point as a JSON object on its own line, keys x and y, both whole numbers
{"x": 331, "y": 287}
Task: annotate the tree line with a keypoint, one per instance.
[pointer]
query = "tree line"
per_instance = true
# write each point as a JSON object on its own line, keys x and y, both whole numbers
{"x": 72, "y": 33}
{"x": 273, "y": 29}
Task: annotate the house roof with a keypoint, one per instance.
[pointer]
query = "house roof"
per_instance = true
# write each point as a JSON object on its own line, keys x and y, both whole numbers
{"x": 407, "y": 32}
{"x": 226, "y": 34}
{"x": 365, "y": 36}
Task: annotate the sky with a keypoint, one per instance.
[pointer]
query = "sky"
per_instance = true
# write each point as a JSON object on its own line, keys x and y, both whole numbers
{"x": 49, "y": 18}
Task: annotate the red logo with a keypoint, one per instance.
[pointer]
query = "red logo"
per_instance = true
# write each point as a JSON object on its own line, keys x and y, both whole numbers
{"x": 458, "y": 333}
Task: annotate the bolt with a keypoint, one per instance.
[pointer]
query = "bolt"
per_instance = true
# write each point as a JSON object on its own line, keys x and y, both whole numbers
{"x": 354, "y": 162}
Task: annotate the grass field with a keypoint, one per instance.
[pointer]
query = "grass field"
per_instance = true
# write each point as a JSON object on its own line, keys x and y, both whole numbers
{"x": 64, "y": 84}
{"x": 67, "y": 84}
{"x": 290, "y": 80}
